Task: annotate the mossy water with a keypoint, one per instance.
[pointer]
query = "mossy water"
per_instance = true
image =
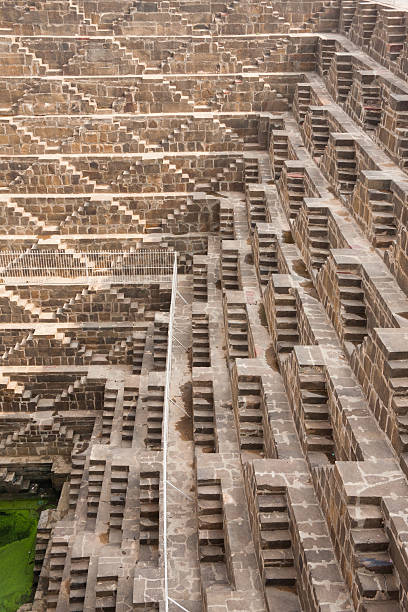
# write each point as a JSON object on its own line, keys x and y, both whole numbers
{"x": 18, "y": 529}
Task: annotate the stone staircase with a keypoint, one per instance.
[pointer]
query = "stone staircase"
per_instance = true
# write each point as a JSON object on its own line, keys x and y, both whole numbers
{"x": 363, "y": 102}
{"x": 210, "y": 524}
{"x": 236, "y": 325}
{"x": 340, "y": 75}
{"x": 200, "y": 290}
{"x": 33, "y": 311}
{"x": 86, "y": 24}
{"x": 285, "y": 331}
{"x": 265, "y": 252}
{"x": 375, "y": 575}
{"x": 301, "y": 101}
{"x": 317, "y": 428}
{"x": 203, "y": 416}
{"x": 12, "y": 482}
{"x": 325, "y": 18}
{"x": 108, "y": 413}
{"x": 363, "y": 23}
{"x": 77, "y": 472}
{"x": 316, "y": 130}
{"x": 57, "y": 559}
{"x": 383, "y": 221}
{"x": 279, "y": 151}
{"x": 154, "y": 403}
{"x": 250, "y": 415}
{"x": 348, "y": 9}
{"x": 200, "y": 355}
{"x": 256, "y": 207}
{"x": 118, "y": 488}
{"x": 38, "y": 66}
{"x": 353, "y": 309}
{"x": 149, "y": 509}
{"x": 319, "y": 240}
{"x": 78, "y": 578}
{"x": 271, "y": 530}
{"x": 226, "y": 221}
{"x": 229, "y": 269}
{"x": 96, "y": 477}
{"x": 339, "y": 159}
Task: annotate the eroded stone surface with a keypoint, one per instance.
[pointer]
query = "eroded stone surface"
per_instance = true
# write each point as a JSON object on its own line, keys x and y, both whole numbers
{"x": 267, "y": 144}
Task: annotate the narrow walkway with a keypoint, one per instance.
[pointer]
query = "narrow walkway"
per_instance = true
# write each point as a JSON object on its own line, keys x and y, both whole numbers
{"x": 182, "y": 541}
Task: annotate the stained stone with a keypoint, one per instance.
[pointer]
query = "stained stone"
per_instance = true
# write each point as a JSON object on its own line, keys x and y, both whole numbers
{"x": 267, "y": 144}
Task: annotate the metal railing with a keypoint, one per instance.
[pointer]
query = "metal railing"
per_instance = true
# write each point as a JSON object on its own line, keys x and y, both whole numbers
{"x": 398, "y": 4}
{"x": 141, "y": 266}
{"x": 165, "y": 430}
{"x": 166, "y": 408}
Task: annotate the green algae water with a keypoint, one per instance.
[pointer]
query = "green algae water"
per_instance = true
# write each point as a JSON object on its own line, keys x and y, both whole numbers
{"x": 18, "y": 529}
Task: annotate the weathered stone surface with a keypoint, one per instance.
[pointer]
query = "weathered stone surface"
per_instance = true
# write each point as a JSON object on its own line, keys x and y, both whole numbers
{"x": 267, "y": 144}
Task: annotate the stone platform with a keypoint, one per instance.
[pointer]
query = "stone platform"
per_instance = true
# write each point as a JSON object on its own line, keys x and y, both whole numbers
{"x": 267, "y": 143}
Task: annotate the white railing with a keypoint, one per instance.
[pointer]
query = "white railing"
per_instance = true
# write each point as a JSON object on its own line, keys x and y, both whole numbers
{"x": 165, "y": 430}
{"x": 141, "y": 266}
{"x": 166, "y": 408}
{"x": 398, "y": 4}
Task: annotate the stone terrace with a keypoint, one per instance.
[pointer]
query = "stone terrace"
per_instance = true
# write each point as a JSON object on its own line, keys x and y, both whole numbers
{"x": 267, "y": 143}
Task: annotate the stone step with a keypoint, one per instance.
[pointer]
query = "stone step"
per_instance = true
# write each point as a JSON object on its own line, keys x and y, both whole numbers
{"x": 211, "y": 554}
{"x": 369, "y": 540}
{"x": 368, "y": 585}
{"x": 275, "y": 539}
{"x": 280, "y": 576}
{"x": 273, "y": 520}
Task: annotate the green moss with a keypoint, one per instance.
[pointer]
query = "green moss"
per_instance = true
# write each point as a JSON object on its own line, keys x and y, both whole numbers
{"x": 14, "y": 526}
{"x": 18, "y": 530}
